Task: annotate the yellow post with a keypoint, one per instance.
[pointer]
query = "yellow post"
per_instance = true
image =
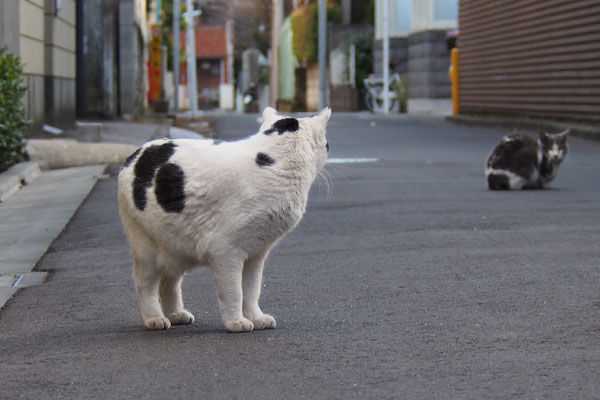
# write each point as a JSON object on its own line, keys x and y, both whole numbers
{"x": 454, "y": 80}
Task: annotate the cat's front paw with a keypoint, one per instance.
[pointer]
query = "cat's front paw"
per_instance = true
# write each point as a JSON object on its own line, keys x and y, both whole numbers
{"x": 239, "y": 325}
{"x": 264, "y": 322}
{"x": 181, "y": 318}
{"x": 157, "y": 323}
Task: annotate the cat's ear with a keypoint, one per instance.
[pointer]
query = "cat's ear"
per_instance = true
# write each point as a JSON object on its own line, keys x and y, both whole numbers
{"x": 324, "y": 114}
{"x": 565, "y": 133}
{"x": 270, "y": 114}
{"x": 544, "y": 137}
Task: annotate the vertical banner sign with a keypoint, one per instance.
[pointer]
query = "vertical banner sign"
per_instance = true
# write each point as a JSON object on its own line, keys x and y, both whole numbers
{"x": 155, "y": 63}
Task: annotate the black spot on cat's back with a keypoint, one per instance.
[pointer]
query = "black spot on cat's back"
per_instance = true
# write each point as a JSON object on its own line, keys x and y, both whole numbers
{"x": 169, "y": 189}
{"x": 151, "y": 159}
{"x": 518, "y": 154}
{"x": 131, "y": 158}
{"x": 264, "y": 160}
{"x": 284, "y": 125}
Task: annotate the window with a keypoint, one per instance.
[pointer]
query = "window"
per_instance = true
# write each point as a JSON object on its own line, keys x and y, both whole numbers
{"x": 403, "y": 15}
{"x": 445, "y": 10}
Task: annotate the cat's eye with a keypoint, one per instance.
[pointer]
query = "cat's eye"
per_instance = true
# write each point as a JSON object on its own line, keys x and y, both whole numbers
{"x": 327, "y": 146}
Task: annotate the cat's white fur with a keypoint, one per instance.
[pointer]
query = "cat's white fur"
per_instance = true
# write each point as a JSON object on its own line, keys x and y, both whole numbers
{"x": 515, "y": 181}
{"x": 235, "y": 212}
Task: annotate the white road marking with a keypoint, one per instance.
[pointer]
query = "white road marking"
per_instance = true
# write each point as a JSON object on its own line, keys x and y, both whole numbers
{"x": 350, "y": 160}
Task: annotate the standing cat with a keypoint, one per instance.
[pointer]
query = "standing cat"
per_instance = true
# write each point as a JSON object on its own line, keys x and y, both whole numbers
{"x": 520, "y": 162}
{"x": 187, "y": 203}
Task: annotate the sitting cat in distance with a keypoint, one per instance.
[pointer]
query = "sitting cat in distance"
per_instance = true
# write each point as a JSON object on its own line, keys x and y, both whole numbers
{"x": 186, "y": 203}
{"x": 521, "y": 162}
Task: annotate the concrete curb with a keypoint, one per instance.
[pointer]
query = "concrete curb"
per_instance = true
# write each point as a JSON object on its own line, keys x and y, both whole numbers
{"x": 577, "y": 129}
{"x": 66, "y": 153}
{"x": 180, "y": 133}
{"x": 16, "y": 177}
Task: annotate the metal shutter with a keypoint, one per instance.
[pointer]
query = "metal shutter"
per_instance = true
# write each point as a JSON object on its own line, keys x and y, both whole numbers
{"x": 538, "y": 58}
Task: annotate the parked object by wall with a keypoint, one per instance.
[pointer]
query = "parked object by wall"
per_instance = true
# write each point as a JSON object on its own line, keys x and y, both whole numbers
{"x": 546, "y": 65}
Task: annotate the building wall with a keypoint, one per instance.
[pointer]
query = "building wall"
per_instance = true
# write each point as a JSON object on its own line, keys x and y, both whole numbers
{"x": 418, "y": 49}
{"x": 428, "y": 62}
{"x": 9, "y": 25}
{"x": 546, "y": 65}
{"x": 44, "y": 39}
{"x": 59, "y": 55}
{"x": 398, "y": 56}
{"x": 31, "y": 50}
{"x": 112, "y": 73}
{"x": 131, "y": 58}
{"x": 99, "y": 73}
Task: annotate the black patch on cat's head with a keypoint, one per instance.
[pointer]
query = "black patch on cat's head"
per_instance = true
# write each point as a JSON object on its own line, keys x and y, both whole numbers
{"x": 264, "y": 160}
{"x": 132, "y": 157}
{"x": 545, "y": 140}
{"x": 170, "y": 181}
{"x": 284, "y": 125}
{"x": 151, "y": 159}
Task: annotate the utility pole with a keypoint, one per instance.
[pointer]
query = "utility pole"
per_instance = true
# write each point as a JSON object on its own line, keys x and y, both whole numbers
{"x": 322, "y": 54}
{"x": 190, "y": 50}
{"x": 386, "y": 59}
{"x": 276, "y": 19}
{"x": 176, "y": 46}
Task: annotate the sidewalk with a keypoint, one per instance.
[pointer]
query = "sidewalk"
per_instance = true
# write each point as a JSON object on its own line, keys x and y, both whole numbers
{"x": 38, "y": 198}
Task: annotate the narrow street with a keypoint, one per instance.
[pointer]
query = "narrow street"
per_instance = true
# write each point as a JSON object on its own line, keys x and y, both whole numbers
{"x": 406, "y": 279}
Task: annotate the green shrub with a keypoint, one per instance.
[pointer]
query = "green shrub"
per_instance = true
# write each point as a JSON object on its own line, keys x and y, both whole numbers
{"x": 305, "y": 30}
{"x": 12, "y": 111}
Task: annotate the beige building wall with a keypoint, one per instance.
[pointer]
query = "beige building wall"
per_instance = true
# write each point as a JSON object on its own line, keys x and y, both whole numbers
{"x": 61, "y": 39}
{"x": 47, "y": 47}
{"x": 31, "y": 35}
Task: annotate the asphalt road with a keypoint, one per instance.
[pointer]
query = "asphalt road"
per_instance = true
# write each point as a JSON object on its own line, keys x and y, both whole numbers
{"x": 407, "y": 279}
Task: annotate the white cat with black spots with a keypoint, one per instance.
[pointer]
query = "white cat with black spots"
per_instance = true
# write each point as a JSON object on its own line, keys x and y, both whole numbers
{"x": 188, "y": 203}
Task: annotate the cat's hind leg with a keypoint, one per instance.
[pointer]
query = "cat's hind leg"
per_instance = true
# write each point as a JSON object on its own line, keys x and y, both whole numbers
{"x": 172, "y": 303}
{"x": 227, "y": 272}
{"x": 147, "y": 279}
{"x": 251, "y": 284}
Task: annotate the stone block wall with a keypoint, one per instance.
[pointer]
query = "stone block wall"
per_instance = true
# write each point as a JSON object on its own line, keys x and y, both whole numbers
{"x": 398, "y": 56}
{"x": 428, "y": 63}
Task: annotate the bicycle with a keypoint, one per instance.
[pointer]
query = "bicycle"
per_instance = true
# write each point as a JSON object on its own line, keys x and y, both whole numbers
{"x": 374, "y": 95}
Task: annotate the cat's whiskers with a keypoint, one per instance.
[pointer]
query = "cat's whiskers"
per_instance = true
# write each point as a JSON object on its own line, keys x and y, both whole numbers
{"x": 337, "y": 170}
{"x": 319, "y": 179}
{"x": 325, "y": 180}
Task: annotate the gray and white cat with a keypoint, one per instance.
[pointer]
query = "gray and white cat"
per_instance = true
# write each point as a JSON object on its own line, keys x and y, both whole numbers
{"x": 520, "y": 162}
{"x": 187, "y": 203}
